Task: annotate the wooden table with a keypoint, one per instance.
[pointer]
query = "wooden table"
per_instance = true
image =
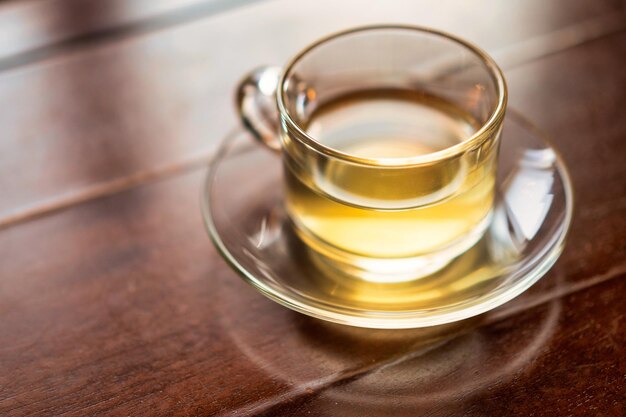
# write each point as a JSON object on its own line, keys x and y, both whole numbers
{"x": 114, "y": 302}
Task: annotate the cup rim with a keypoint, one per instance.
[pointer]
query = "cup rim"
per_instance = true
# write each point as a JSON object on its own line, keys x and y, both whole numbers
{"x": 487, "y": 129}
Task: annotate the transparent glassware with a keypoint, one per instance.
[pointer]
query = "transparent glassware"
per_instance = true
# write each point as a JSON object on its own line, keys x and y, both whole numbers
{"x": 243, "y": 208}
{"x": 384, "y": 219}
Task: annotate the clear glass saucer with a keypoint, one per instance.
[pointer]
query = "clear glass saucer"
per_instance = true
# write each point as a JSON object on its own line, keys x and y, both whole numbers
{"x": 242, "y": 206}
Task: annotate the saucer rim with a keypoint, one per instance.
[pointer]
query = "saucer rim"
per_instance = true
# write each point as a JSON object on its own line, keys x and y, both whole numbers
{"x": 534, "y": 268}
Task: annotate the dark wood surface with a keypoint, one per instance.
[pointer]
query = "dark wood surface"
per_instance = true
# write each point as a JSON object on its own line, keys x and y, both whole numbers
{"x": 114, "y": 302}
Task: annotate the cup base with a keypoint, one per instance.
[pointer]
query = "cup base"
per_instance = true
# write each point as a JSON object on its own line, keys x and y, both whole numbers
{"x": 331, "y": 259}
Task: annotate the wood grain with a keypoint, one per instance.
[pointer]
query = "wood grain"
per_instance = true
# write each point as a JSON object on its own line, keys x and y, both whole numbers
{"x": 84, "y": 120}
{"x": 538, "y": 363}
{"x": 120, "y": 305}
{"x": 123, "y": 307}
{"x": 35, "y": 30}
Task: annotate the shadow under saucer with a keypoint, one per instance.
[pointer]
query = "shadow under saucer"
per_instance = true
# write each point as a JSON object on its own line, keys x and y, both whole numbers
{"x": 333, "y": 369}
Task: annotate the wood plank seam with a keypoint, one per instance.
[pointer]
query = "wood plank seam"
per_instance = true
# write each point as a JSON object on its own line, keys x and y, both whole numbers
{"x": 533, "y": 49}
{"x": 106, "y": 189}
{"x": 120, "y": 32}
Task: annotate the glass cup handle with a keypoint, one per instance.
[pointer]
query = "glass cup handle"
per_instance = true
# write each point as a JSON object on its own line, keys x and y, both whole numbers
{"x": 256, "y": 104}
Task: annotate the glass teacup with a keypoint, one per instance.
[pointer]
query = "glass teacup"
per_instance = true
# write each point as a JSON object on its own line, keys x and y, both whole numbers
{"x": 389, "y": 138}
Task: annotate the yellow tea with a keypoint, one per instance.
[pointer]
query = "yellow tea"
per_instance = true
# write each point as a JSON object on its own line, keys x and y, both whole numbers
{"x": 398, "y": 211}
